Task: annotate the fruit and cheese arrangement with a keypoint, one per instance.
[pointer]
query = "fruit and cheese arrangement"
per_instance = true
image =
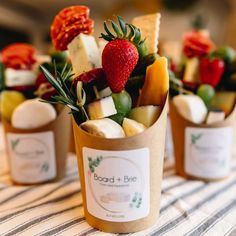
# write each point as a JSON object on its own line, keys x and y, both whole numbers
{"x": 23, "y": 86}
{"x": 119, "y": 84}
{"x": 202, "y": 85}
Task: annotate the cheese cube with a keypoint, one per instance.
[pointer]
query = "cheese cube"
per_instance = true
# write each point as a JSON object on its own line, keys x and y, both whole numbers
{"x": 84, "y": 54}
{"x": 101, "y": 108}
{"x": 19, "y": 77}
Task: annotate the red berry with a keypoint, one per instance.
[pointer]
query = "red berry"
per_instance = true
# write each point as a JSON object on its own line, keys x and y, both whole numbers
{"x": 87, "y": 77}
{"x": 43, "y": 88}
{"x": 95, "y": 77}
{"x": 119, "y": 59}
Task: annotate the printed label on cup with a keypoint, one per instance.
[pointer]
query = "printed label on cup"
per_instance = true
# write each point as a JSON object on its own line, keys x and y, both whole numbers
{"x": 208, "y": 151}
{"x": 32, "y": 156}
{"x": 117, "y": 184}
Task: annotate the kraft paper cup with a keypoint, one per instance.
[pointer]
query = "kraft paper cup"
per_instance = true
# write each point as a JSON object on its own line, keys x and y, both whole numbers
{"x": 38, "y": 155}
{"x": 202, "y": 151}
{"x": 121, "y": 178}
{"x": 72, "y": 141}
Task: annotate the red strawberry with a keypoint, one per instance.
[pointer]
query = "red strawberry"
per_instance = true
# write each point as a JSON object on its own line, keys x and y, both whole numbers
{"x": 119, "y": 59}
{"x": 121, "y": 54}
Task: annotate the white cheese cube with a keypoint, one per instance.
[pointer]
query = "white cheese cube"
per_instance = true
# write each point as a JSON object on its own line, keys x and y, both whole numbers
{"x": 101, "y": 108}
{"x": 19, "y": 77}
{"x": 84, "y": 54}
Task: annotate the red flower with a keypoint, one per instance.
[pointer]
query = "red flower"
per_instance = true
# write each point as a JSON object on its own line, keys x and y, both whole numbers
{"x": 197, "y": 44}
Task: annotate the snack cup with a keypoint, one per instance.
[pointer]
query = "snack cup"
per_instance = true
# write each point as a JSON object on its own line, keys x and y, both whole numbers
{"x": 71, "y": 147}
{"x": 38, "y": 155}
{"x": 121, "y": 178}
{"x": 202, "y": 151}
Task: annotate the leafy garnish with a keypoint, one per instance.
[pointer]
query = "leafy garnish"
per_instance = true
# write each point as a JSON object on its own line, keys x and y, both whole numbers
{"x": 61, "y": 82}
{"x": 127, "y": 31}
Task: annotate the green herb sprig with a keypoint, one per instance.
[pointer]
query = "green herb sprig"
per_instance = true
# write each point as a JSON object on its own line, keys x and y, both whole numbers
{"x": 61, "y": 81}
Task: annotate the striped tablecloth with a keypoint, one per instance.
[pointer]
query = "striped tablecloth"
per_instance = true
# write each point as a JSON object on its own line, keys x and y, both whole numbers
{"x": 187, "y": 207}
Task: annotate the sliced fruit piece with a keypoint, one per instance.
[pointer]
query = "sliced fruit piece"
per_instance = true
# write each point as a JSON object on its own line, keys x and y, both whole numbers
{"x": 33, "y": 114}
{"x": 191, "y": 72}
{"x": 9, "y": 101}
{"x": 206, "y": 92}
{"x": 143, "y": 63}
{"x": 149, "y": 26}
{"x": 156, "y": 83}
{"x": 224, "y": 101}
{"x": 191, "y": 107}
{"x": 84, "y": 54}
{"x": 123, "y": 102}
{"x": 101, "y": 108}
{"x": 132, "y": 127}
{"x": 106, "y": 128}
{"x": 215, "y": 116}
{"x": 147, "y": 115}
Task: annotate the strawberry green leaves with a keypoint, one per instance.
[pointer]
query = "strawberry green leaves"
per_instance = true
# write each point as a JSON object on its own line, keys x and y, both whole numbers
{"x": 123, "y": 30}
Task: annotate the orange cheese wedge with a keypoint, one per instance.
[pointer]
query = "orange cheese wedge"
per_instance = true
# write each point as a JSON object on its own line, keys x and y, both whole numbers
{"x": 156, "y": 83}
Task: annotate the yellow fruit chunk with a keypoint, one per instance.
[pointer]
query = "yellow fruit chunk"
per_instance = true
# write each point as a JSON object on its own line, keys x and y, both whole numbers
{"x": 146, "y": 115}
{"x": 9, "y": 101}
{"x": 156, "y": 83}
{"x": 224, "y": 101}
{"x": 132, "y": 127}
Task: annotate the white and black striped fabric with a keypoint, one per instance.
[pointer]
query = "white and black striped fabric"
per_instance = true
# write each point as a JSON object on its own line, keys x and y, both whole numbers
{"x": 189, "y": 208}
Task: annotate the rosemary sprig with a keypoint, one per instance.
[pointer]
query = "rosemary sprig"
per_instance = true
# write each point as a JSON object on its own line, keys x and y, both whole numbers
{"x": 61, "y": 82}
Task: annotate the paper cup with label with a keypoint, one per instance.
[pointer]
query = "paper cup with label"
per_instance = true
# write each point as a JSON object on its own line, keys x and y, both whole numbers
{"x": 38, "y": 155}
{"x": 202, "y": 151}
{"x": 121, "y": 178}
